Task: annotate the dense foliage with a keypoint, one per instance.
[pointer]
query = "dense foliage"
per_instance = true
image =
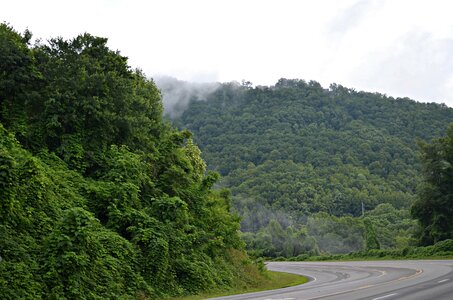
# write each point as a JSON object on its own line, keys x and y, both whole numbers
{"x": 441, "y": 250}
{"x": 100, "y": 198}
{"x": 434, "y": 206}
{"x": 294, "y": 150}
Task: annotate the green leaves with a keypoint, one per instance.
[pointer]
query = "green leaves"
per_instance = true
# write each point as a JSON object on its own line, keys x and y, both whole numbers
{"x": 371, "y": 240}
{"x": 172, "y": 210}
{"x": 84, "y": 260}
{"x": 434, "y": 206}
{"x": 100, "y": 199}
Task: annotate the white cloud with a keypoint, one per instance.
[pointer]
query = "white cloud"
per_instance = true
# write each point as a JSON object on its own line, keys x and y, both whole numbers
{"x": 418, "y": 65}
{"x": 368, "y": 45}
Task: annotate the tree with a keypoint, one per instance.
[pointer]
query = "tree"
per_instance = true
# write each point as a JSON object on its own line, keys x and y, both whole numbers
{"x": 434, "y": 206}
{"x": 371, "y": 241}
{"x": 18, "y": 77}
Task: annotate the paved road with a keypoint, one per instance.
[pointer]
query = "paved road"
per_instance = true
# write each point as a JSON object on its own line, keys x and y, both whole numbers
{"x": 373, "y": 280}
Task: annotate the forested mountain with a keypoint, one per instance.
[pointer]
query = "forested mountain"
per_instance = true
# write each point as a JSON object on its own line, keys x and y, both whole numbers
{"x": 99, "y": 197}
{"x": 310, "y": 158}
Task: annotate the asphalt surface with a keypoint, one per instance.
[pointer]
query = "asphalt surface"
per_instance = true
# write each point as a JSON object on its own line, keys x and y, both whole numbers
{"x": 373, "y": 280}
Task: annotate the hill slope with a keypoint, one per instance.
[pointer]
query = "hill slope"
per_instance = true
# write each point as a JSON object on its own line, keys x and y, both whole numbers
{"x": 296, "y": 149}
{"x": 99, "y": 197}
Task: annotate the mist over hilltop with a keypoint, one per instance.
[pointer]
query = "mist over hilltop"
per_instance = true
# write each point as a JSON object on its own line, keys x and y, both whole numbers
{"x": 176, "y": 94}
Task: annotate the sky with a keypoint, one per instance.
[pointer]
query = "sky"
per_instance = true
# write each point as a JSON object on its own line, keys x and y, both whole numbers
{"x": 401, "y": 48}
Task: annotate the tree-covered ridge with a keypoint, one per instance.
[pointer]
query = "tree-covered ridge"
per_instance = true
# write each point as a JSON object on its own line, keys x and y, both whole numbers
{"x": 296, "y": 149}
{"x": 100, "y": 198}
{"x": 321, "y": 124}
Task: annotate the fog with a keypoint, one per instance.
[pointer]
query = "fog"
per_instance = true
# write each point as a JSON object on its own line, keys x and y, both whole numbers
{"x": 177, "y": 94}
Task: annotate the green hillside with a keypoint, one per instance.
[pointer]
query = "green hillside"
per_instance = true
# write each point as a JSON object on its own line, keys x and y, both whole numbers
{"x": 310, "y": 158}
{"x": 99, "y": 197}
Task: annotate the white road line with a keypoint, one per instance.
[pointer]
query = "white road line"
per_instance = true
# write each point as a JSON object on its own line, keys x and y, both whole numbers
{"x": 386, "y": 296}
{"x": 443, "y": 280}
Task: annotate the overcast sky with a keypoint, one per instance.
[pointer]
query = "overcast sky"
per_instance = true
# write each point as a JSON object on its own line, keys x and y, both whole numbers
{"x": 402, "y": 48}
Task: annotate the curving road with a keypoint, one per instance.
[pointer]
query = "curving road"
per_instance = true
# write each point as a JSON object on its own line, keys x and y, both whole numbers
{"x": 373, "y": 280}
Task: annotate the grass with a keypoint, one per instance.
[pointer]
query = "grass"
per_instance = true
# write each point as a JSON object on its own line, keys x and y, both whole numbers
{"x": 274, "y": 280}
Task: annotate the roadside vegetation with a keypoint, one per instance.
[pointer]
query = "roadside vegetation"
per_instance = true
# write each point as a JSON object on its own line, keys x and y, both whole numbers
{"x": 100, "y": 198}
{"x": 440, "y": 250}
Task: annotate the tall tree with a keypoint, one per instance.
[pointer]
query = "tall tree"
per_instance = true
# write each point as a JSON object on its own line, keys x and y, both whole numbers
{"x": 434, "y": 206}
{"x": 18, "y": 76}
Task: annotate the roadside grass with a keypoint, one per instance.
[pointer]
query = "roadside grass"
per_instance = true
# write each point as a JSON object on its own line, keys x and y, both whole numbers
{"x": 273, "y": 280}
